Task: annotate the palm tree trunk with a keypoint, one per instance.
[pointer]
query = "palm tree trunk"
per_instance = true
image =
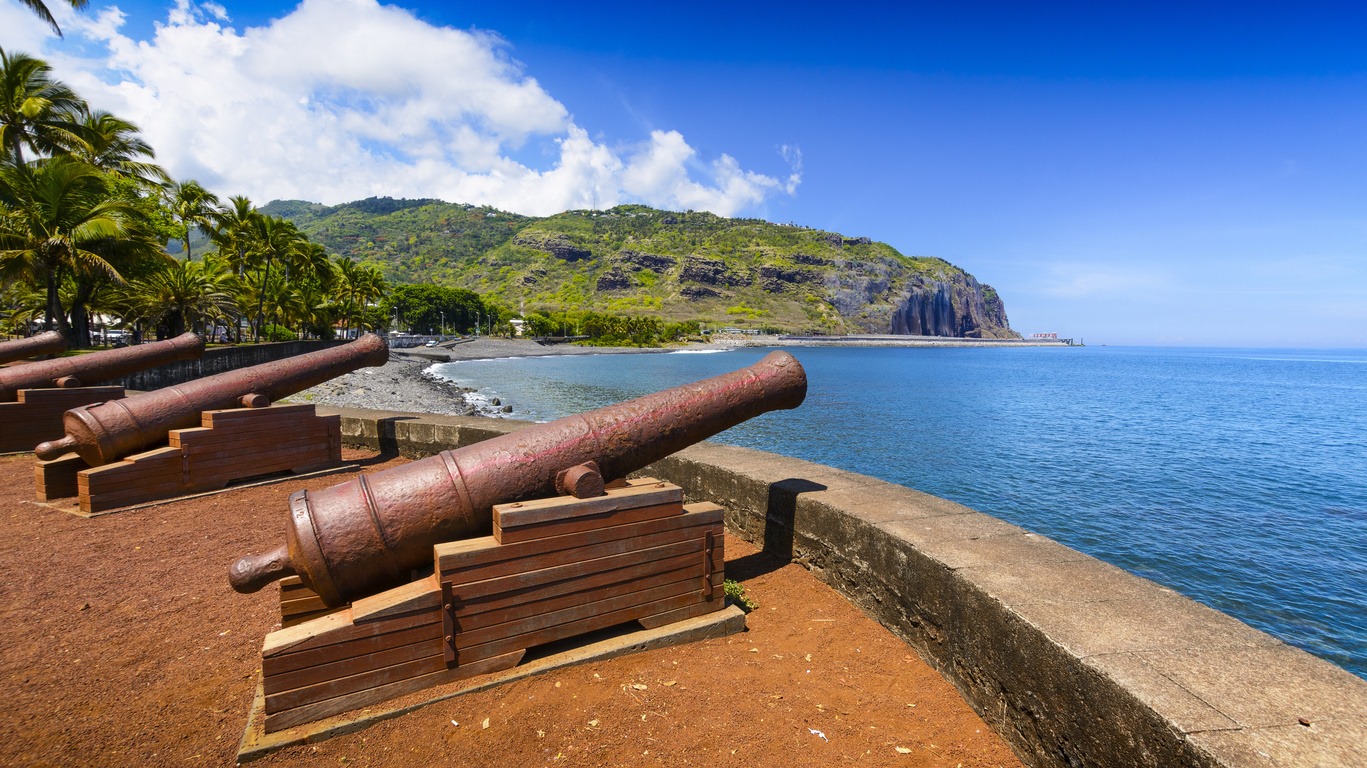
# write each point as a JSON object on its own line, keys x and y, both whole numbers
{"x": 261, "y": 299}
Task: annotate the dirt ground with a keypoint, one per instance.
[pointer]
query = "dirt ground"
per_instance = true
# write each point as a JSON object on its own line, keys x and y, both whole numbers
{"x": 124, "y": 646}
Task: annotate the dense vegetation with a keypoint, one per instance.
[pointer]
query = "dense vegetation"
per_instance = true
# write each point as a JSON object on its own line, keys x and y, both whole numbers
{"x": 633, "y": 261}
{"x": 88, "y": 222}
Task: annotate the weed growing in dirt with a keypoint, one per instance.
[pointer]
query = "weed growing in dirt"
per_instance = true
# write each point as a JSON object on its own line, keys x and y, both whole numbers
{"x": 736, "y": 591}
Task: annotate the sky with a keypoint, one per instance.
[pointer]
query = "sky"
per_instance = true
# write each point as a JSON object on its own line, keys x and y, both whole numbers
{"x": 1152, "y": 174}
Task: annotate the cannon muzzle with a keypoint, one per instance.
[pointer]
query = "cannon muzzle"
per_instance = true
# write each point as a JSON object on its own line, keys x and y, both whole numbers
{"x": 45, "y": 343}
{"x": 368, "y": 533}
{"x": 93, "y": 368}
{"x": 109, "y": 431}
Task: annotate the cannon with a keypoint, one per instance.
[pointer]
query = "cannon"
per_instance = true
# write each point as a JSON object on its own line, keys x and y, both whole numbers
{"x": 107, "y": 432}
{"x": 82, "y": 370}
{"x": 369, "y": 533}
{"x": 45, "y": 343}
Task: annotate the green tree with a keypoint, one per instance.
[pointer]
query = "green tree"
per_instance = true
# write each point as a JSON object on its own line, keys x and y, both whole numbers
{"x": 59, "y": 211}
{"x": 182, "y": 295}
{"x": 276, "y": 240}
{"x": 356, "y": 287}
{"x": 36, "y": 111}
{"x": 423, "y": 307}
{"x": 193, "y": 206}
{"x": 113, "y": 145}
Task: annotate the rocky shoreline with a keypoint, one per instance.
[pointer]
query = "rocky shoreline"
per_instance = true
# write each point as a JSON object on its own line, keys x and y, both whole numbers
{"x": 402, "y": 384}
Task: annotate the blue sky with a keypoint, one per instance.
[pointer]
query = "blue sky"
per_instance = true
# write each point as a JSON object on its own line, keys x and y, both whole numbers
{"x": 1128, "y": 175}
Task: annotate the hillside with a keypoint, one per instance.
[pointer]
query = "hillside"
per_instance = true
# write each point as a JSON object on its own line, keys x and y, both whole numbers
{"x": 633, "y": 259}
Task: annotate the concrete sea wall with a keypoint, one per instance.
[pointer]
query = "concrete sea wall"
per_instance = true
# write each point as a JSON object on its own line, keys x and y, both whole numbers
{"x": 1075, "y": 662}
{"x": 218, "y": 360}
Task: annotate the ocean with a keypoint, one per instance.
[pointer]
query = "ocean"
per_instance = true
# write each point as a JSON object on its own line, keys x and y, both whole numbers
{"x": 1237, "y": 477}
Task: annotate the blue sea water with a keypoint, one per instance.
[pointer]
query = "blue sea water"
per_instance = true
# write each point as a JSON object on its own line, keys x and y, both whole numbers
{"x": 1235, "y": 476}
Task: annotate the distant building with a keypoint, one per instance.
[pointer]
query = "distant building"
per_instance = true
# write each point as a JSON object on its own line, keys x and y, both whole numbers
{"x": 1044, "y": 335}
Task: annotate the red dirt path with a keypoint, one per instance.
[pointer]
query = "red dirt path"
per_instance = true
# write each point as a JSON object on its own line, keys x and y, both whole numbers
{"x": 124, "y": 646}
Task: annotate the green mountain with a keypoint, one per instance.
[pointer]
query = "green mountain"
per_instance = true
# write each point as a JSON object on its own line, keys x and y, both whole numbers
{"x": 632, "y": 259}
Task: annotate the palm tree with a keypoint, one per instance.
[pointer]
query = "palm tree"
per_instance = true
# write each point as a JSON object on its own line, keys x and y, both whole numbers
{"x": 193, "y": 206}
{"x": 112, "y": 144}
{"x": 40, "y": 8}
{"x": 59, "y": 210}
{"x": 277, "y": 239}
{"x": 183, "y": 295}
{"x": 234, "y": 230}
{"x": 36, "y": 111}
{"x": 356, "y": 286}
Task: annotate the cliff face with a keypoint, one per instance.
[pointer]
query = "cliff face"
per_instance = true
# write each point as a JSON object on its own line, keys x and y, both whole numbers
{"x": 960, "y": 307}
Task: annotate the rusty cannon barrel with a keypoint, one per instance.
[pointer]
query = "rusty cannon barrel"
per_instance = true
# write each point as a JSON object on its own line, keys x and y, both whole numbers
{"x": 109, "y": 431}
{"x": 368, "y": 533}
{"x": 83, "y": 370}
{"x": 45, "y": 343}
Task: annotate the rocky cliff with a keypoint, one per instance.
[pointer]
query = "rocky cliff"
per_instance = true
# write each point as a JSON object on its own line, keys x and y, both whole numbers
{"x": 961, "y": 307}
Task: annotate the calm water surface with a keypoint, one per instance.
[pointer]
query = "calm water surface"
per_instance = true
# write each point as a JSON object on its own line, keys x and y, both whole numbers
{"x": 1237, "y": 477}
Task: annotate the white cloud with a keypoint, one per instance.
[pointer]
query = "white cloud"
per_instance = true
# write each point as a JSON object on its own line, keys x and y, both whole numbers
{"x": 344, "y": 99}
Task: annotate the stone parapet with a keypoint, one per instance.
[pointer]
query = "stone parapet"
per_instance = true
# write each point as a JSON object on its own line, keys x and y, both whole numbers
{"x": 1074, "y": 661}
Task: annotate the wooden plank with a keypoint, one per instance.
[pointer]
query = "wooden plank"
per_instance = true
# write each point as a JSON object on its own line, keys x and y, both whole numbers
{"x": 679, "y": 614}
{"x": 652, "y": 533}
{"x": 261, "y": 448}
{"x": 470, "y": 554}
{"x": 420, "y": 595}
{"x": 311, "y": 712}
{"x": 598, "y": 596}
{"x": 306, "y": 604}
{"x": 216, "y": 443}
{"x": 263, "y": 432}
{"x": 57, "y": 479}
{"x": 307, "y": 677}
{"x": 291, "y": 583}
{"x": 516, "y": 622}
{"x": 474, "y": 606}
{"x": 300, "y": 618}
{"x": 519, "y": 579}
{"x": 338, "y": 628}
{"x": 577, "y": 524}
{"x": 313, "y": 657}
{"x": 230, "y": 416}
{"x": 72, "y": 398}
{"x": 169, "y": 479}
{"x": 107, "y": 498}
{"x": 358, "y": 682}
{"x": 536, "y": 511}
{"x": 590, "y": 624}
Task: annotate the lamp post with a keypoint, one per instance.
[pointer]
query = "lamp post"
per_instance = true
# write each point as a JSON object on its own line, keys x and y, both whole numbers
{"x": 443, "y": 324}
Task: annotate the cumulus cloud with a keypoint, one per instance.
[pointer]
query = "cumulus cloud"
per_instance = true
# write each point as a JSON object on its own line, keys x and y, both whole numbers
{"x": 345, "y": 99}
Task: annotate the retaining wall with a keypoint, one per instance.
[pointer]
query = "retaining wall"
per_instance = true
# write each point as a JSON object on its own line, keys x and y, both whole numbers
{"x": 217, "y": 360}
{"x": 1075, "y": 662}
